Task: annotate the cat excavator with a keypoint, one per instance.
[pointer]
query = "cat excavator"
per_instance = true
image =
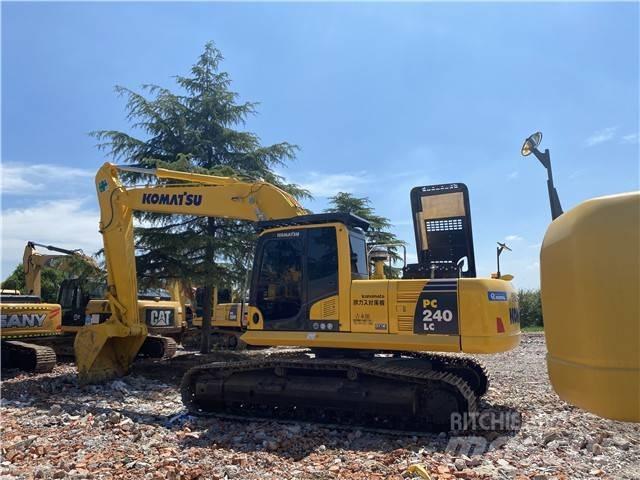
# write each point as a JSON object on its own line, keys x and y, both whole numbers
{"x": 366, "y": 339}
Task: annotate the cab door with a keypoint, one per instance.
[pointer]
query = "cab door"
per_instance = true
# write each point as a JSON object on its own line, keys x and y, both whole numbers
{"x": 294, "y": 269}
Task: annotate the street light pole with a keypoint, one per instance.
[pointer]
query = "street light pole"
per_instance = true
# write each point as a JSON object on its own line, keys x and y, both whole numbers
{"x": 531, "y": 146}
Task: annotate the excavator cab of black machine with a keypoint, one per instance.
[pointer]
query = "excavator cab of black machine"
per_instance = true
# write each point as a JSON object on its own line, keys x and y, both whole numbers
{"x": 442, "y": 225}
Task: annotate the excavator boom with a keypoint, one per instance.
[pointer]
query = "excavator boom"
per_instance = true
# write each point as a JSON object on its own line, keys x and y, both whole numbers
{"x": 107, "y": 350}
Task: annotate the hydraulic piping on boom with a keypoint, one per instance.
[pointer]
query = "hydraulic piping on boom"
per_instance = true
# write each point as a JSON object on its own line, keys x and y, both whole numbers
{"x": 107, "y": 350}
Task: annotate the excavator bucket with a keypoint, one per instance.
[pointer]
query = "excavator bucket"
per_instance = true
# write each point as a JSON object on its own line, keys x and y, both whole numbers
{"x": 107, "y": 350}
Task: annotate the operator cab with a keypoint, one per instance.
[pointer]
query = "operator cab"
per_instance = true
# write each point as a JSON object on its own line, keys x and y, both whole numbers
{"x": 74, "y": 295}
{"x": 297, "y": 265}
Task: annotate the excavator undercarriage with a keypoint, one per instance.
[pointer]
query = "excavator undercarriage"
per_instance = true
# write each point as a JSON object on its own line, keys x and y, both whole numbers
{"x": 403, "y": 390}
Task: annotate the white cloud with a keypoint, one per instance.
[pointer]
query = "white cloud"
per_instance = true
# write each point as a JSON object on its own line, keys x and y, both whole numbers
{"x": 21, "y": 179}
{"x": 513, "y": 238}
{"x": 68, "y": 223}
{"x": 327, "y": 185}
{"x": 601, "y": 136}
{"x": 513, "y": 175}
{"x": 631, "y": 138}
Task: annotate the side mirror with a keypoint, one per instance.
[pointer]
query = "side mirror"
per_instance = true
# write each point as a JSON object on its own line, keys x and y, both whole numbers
{"x": 531, "y": 143}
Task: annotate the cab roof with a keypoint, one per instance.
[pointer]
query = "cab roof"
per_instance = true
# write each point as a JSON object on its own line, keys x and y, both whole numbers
{"x": 348, "y": 219}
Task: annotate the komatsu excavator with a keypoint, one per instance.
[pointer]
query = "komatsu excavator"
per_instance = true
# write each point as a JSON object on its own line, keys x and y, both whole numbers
{"x": 81, "y": 303}
{"x": 310, "y": 288}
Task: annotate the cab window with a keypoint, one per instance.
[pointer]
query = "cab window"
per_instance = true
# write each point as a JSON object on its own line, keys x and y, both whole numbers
{"x": 358, "y": 247}
{"x": 322, "y": 263}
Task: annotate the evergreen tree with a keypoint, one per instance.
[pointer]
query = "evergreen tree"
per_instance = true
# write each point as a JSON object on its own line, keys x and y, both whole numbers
{"x": 53, "y": 275}
{"x": 378, "y": 232}
{"x": 194, "y": 129}
{"x": 50, "y": 280}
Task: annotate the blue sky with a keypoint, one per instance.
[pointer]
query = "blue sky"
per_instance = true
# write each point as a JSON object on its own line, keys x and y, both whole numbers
{"x": 380, "y": 98}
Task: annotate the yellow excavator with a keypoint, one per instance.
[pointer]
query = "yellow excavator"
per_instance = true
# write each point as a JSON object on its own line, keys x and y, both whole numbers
{"x": 25, "y": 321}
{"x": 310, "y": 288}
{"x": 590, "y": 287}
{"x": 229, "y": 319}
{"x": 28, "y": 323}
{"x": 81, "y": 303}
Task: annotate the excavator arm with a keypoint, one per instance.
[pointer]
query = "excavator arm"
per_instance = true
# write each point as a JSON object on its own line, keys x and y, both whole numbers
{"x": 107, "y": 350}
{"x": 33, "y": 261}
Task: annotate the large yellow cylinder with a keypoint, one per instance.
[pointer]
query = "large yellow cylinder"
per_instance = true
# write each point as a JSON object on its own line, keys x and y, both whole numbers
{"x": 590, "y": 280}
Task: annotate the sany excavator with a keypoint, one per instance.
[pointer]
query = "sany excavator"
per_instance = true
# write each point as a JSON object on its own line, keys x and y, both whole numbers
{"x": 81, "y": 303}
{"x": 28, "y": 324}
{"x": 310, "y": 288}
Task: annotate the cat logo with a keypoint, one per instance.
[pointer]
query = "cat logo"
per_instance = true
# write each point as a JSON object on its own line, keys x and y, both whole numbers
{"x": 158, "y": 317}
{"x": 23, "y": 320}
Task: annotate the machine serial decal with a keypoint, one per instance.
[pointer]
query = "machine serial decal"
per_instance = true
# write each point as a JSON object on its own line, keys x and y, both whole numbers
{"x": 22, "y": 320}
{"x": 437, "y": 308}
{"x": 287, "y": 234}
{"x": 172, "y": 199}
{"x": 497, "y": 296}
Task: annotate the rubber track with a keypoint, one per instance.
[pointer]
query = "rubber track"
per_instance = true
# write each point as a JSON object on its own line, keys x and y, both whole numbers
{"x": 393, "y": 372}
{"x": 43, "y": 358}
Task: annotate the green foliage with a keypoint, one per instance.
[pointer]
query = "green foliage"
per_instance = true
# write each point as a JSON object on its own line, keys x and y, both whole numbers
{"x": 195, "y": 129}
{"x": 50, "y": 280}
{"x": 530, "y": 308}
{"x": 378, "y": 232}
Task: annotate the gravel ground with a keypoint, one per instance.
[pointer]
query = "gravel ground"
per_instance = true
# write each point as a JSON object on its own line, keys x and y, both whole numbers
{"x": 136, "y": 428}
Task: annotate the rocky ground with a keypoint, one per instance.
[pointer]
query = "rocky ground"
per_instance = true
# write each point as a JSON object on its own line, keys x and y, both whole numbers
{"x": 136, "y": 427}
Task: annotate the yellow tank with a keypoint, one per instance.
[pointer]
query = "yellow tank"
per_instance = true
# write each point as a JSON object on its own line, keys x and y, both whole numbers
{"x": 590, "y": 279}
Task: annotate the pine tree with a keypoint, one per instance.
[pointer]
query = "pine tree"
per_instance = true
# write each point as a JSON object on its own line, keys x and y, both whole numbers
{"x": 195, "y": 130}
{"x": 378, "y": 233}
{"x": 52, "y": 276}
